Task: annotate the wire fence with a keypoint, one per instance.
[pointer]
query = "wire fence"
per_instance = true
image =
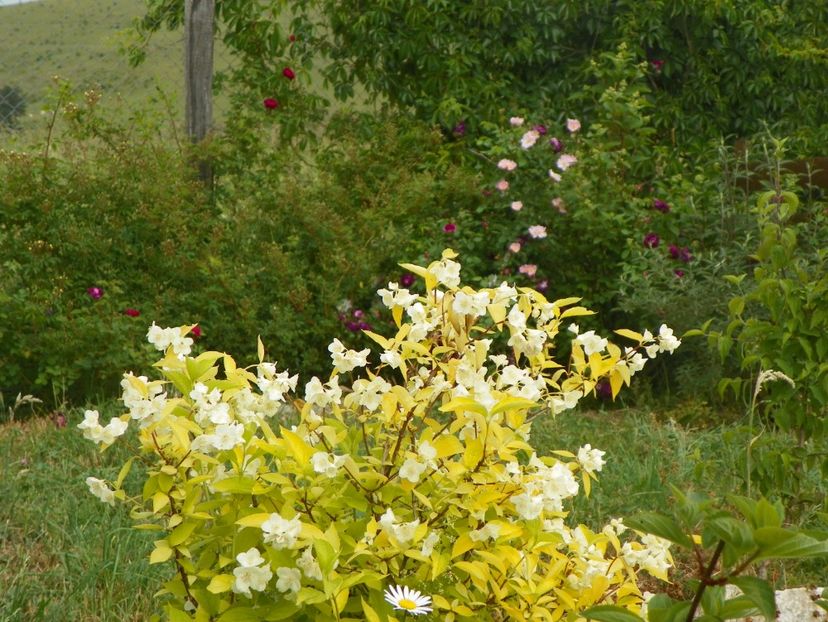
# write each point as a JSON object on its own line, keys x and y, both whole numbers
{"x": 82, "y": 42}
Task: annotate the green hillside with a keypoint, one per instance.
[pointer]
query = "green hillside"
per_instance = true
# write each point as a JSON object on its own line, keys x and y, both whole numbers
{"x": 79, "y": 40}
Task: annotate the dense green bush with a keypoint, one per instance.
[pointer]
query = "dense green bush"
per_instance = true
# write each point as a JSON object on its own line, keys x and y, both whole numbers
{"x": 108, "y": 226}
{"x": 714, "y": 67}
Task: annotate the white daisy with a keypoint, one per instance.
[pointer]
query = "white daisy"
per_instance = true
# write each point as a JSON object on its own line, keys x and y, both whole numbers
{"x": 408, "y": 600}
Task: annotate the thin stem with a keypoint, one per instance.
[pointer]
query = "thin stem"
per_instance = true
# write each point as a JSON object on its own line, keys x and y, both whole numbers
{"x": 705, "y": 581}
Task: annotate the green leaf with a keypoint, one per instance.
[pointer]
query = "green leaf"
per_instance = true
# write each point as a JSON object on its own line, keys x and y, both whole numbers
{"x": 177, "y": 615}
{"x": 240, "y": 614}
{"x": 777, "y": 543}
{"x": 760, "y": 593}
{"x": 235, "y": 485}
{"x": 220, "y": 583}
{"x": 661, "y": 526}
{"x": 610, "y": 613}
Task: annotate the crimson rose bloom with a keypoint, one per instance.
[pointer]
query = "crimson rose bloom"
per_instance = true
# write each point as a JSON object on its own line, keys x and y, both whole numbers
{"x": 132, "y": 312}
{"x": 270, "y": 103}
{"x": 288, "y": 73}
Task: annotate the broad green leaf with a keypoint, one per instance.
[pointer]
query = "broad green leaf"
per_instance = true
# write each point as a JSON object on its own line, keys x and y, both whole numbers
{"x": 182, "y": 532}
{"x": 253, "y": 520}
{"x": 235, "y": 485}
{"x": 661, "y": 526}
{"x": 780, "y": 543}
{"x": 760, "y": 593}
{"x": 240, "y": 614}
{"x": 176, "y": 615}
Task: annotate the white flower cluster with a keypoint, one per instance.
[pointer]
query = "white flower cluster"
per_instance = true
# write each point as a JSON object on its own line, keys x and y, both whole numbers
{"x": 176, "y": 337}
{"x": 94, "y": 431}
{"x": 402, "y": 532}
{"x": 145, "y": 400}
{"x": 651, "y": 554}
{"x": 545, "y": 490}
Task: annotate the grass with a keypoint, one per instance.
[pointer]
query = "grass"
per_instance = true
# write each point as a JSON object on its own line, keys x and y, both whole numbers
{"x": 66, "y": 556}
{"x": 63, "y": 554}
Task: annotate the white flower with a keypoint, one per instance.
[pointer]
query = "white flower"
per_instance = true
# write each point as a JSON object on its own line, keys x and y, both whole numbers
{"x": 90, "y": 426}
{"x": 403, "y": 532}
{"x": 529, "y": 139}
{"x": 591, "y": 343}
{"x": 566, "y": 401}
{"x": 565, "y": 161}
{"x": 228, "y": 435}
{"x": 396, "y": 297}
{"x": 635, "y": 361}
{"x": 368, "y": 393}
{"x": 99, "y": 488}
{"x": 574, "y": 329}
{"x": 516, "y": 319}
{"x": 488, "y": 531}
{"x": 516, "y": 121}
{"x": 428, "y": 544}
{"x": 447, "y": 272}
{"x": 249, "y": 575}
{"x": 528, "y": 506}
{"x": 308, "y": 564}
{"x": 507, "y": 165}
{"x": 412, "y": 470}
{"x": 392, "y": 358}
{"x": 573, "y": 125}
{"x": 428, "y": 453}
{"x": 317, "y": 395}
{"x": 537, "y": 231}
{"x": 652, "y": 350}
{"x": 327, "y": 464}
{"x": 666, "y": 341}
{"x": 591, "y": 459}
{"x": 280, "y": 532}
{"x": 470, "y": 304}
{"x": 346, "y": 360}
{"x": 290, "y": 580}
{"x": 516, "y": 206}
{"x": 555, "y": 176}
{"x": 272, "y": 385}
{"x": 408, "y": 600}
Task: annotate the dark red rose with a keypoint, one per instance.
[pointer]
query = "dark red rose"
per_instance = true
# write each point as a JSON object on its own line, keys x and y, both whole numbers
{"x": 288, "y": 73}
{"x": 270, "y": 103}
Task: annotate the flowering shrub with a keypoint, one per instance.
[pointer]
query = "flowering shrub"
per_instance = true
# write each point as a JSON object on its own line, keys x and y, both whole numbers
{"x": 417, "y": 472}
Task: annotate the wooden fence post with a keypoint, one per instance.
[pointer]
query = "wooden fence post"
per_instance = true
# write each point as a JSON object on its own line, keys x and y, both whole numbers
{"x": 199, "y": 16}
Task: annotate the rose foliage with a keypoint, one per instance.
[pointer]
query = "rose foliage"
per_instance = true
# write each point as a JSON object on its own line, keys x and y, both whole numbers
{"x": 414, "y": 469}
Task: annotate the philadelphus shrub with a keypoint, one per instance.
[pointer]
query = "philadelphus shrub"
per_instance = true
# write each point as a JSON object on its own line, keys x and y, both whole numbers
{"x": 416, "y": 471}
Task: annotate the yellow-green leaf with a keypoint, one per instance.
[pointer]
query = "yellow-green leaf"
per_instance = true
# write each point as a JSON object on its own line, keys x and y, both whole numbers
{"x": 220, "y": 583}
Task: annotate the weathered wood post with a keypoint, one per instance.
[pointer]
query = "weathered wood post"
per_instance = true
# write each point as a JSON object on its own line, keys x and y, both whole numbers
{"x": 199, "y": 16}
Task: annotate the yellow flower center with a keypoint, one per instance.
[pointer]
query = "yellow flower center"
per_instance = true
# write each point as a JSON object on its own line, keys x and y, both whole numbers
{"x": 407, "y": 604}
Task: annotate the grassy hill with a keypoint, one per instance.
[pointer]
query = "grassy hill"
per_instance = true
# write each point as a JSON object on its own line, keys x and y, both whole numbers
{"x": 79, "y": 40}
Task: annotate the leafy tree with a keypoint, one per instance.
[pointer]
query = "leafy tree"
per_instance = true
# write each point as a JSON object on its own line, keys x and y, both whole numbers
{"x": 724, "y": 67}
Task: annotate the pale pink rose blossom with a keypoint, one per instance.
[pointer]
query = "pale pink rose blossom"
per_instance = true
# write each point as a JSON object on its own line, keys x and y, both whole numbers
{"x": 514, "y": 247}
{"x": 502, "y": 185}
{"x": 529, "y": 269}
{"x": 516, "y": 121}
{"x": 565, "y": 161}
{"x": 555, "y": 177}
{"x": 507, "y": 165}
{"x": 529, "y": 139}
{"x": 558, "y": 204}
{"x": 573, "y": 125}
{"x": 537, "y": 231}
{"x": 516, "y": 206}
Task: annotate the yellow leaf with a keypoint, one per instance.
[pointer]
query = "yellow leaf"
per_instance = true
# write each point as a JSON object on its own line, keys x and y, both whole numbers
{"x": 497, "y": 313}
{"x": 616, "y": 381}
{"x": 301, "y": 451}
{"x": 630, "y": 334}
{"x": 447, "y": 445}
{"x": 565, "y": 302}
{"x": 220, "y": 583}
{"x": 182, "y": 532}
{"x": 253, "y": 520}
{"x": 342, "y": 599}
{"x": 378, "y": 338}
{"x": 123, "y": 472}
{"x": 478, "y": 570}
{"x": 473, "y": 454}
{"x": 461, "y": 545}
{"x": 576, "y": 311}
{"x": 260, "y": 348}
{"x": 396, "y": 313}
{"x": 161, "y": 553}
{"x": 159, "y": 501}
{"x": 367, "y": 610}
{"x": 511, "y": 403}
